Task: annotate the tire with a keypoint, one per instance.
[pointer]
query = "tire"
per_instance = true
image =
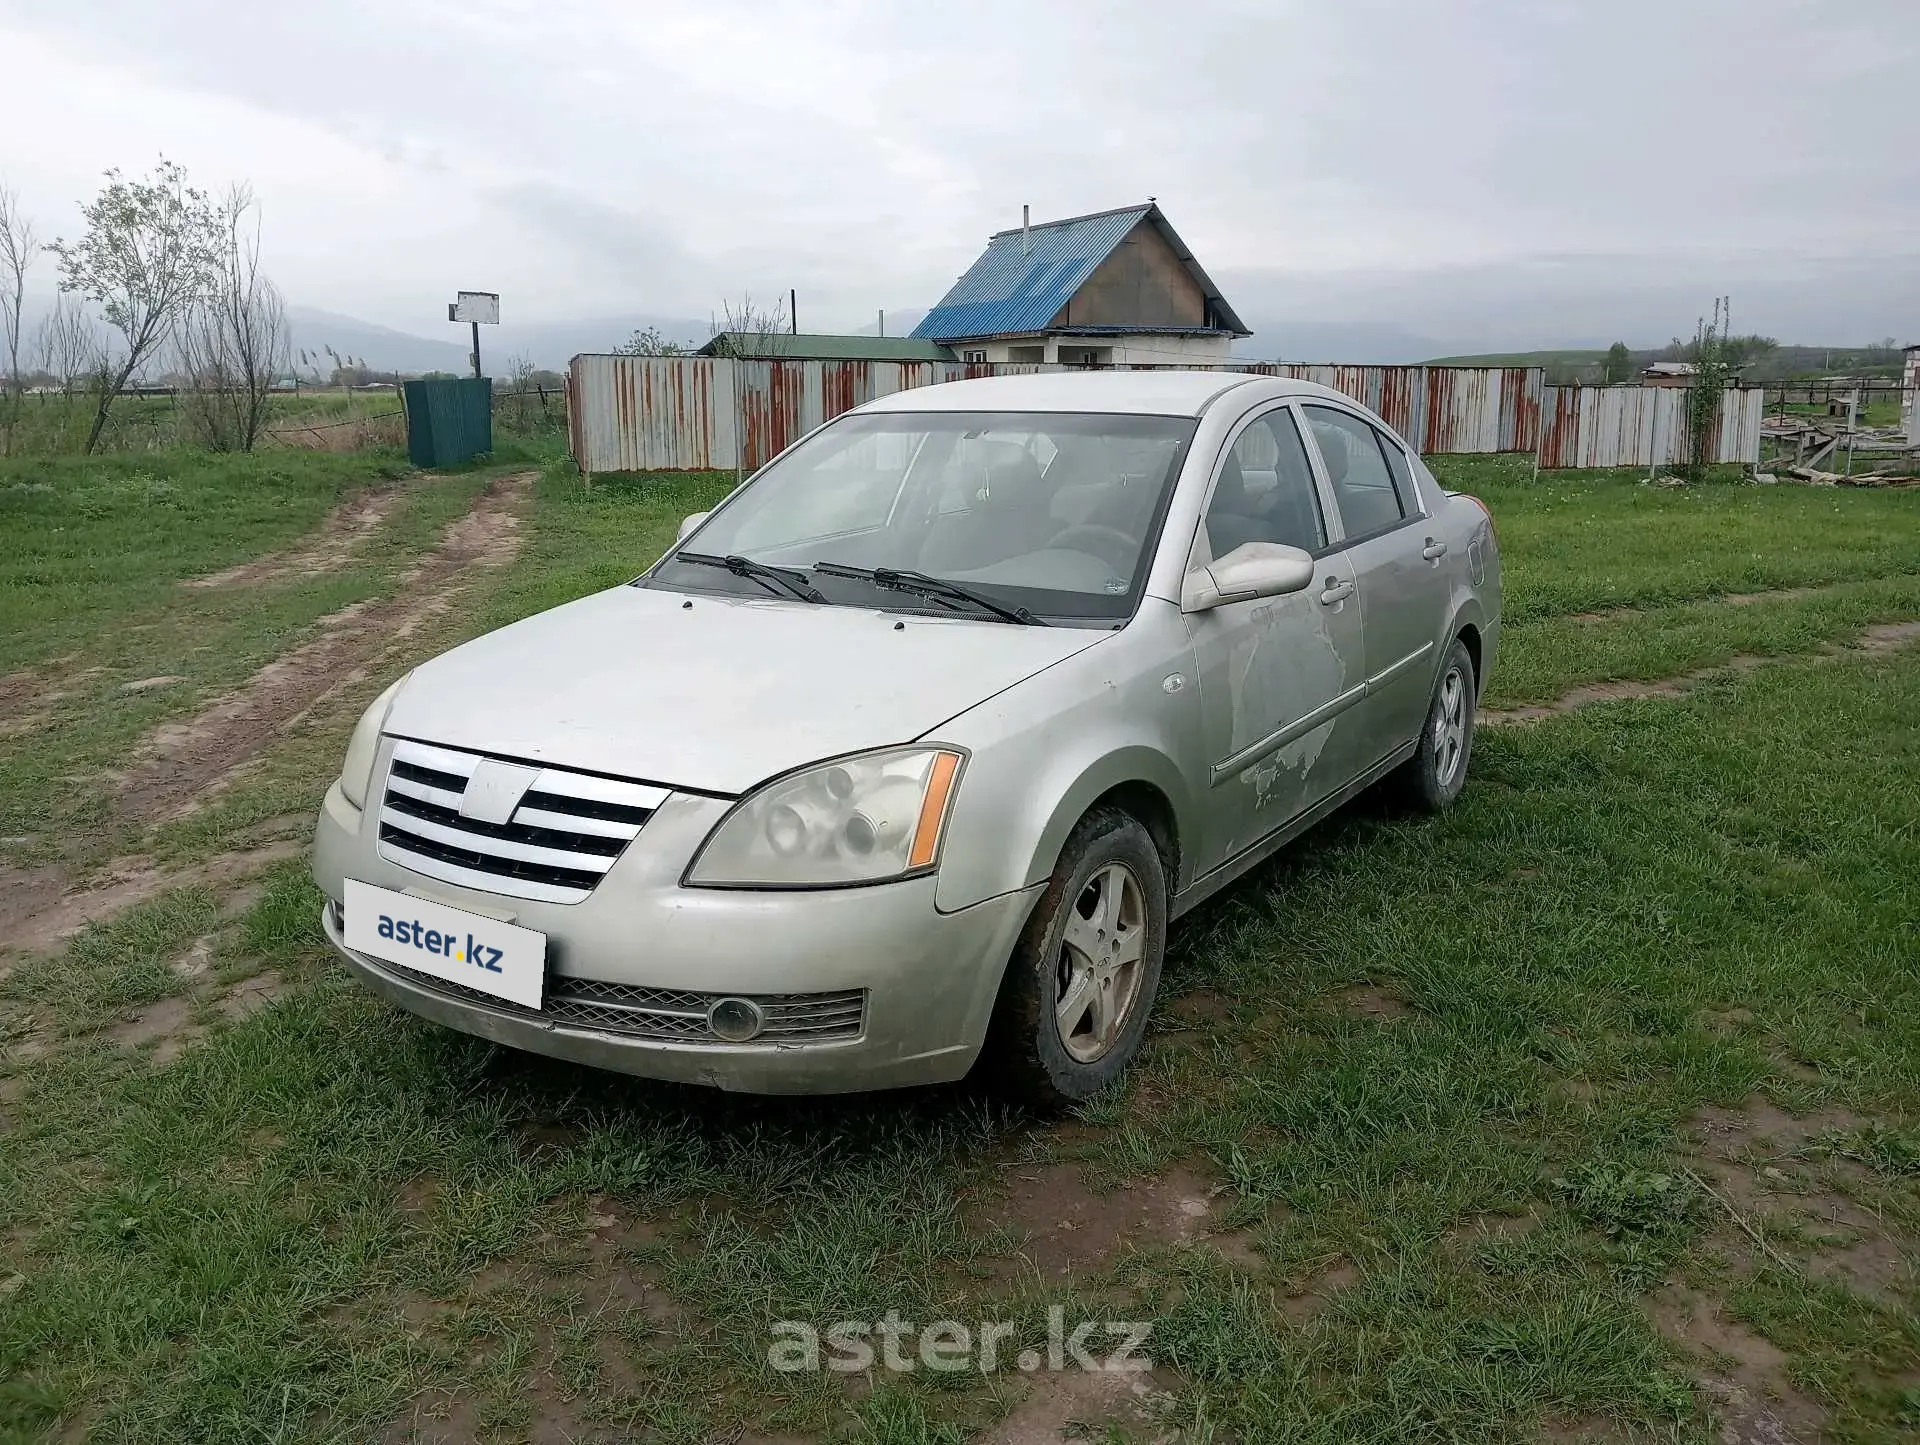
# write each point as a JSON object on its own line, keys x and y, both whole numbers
{"x": 1430, "y": 781}
{"x": 1049, "y": 1056}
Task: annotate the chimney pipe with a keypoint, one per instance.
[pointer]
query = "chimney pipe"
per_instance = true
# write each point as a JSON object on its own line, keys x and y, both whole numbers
{"x": 1025, "y": 244}
{"x": 883, "y": 321}
{"x": 793, "y": 312}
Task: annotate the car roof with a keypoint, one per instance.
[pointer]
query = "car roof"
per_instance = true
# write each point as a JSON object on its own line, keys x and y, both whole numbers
{"x": 1152, "y": 393}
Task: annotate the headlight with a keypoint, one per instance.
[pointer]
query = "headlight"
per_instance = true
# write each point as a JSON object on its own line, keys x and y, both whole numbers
{"x": 855, "y": 820}
{"x": 356, "y": 774}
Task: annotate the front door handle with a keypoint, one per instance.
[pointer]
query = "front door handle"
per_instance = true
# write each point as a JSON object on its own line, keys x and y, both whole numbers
{"x": 1336, "y": 593}
{"x": 1434, "y": 551}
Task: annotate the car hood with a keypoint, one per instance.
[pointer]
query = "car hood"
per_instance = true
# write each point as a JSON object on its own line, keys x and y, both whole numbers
{"x": 713, "y": 693}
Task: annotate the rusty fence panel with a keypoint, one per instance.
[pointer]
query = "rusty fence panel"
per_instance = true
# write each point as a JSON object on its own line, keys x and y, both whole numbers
{"x": 652, "y": 413}
{"x": 781, "y": 401}
{"x": 631, "y": 413}
{"x": 1440, "y": 408}
{"x": 1642, "y": 426}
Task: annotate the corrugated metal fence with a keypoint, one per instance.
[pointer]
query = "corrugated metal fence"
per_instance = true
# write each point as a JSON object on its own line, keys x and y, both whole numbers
{"x": 1439, "y": 408}
{"x": 670, "y": 413}
{"x": 1642, "y": 426}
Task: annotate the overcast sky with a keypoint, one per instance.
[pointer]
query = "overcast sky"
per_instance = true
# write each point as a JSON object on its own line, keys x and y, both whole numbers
{"x": 1521, "y": 172}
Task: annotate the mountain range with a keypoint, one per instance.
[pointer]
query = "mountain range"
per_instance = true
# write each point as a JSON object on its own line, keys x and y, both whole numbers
{"x": 551, "y": 344}
{"x": 547, "y": 344}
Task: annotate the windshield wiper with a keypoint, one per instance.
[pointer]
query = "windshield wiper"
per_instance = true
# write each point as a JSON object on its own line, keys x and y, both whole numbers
{"x": 938, "y": 589}
{"x": 788, "y": 581}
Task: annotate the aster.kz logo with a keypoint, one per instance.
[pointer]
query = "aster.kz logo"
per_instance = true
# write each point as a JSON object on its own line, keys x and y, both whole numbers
{"x": 441, "y": 945}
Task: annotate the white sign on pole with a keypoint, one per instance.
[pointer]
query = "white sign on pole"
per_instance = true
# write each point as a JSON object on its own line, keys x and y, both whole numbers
{"x": 482, "y": 307}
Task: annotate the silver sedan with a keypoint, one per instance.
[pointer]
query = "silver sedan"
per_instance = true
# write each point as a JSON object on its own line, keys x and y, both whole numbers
{"x": 908, "y": 754}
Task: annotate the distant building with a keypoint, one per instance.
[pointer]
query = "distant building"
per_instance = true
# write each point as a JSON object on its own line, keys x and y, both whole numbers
{"x": 1679, "y": 373}
{"x": 1668, "y": 373}
{"x": 786, "y": 346}
{"x": 1114, "y": 288}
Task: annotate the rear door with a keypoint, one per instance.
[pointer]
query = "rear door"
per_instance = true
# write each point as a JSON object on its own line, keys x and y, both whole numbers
{"x": 1279, "y": 676}
{"x": 1397, "y": 564}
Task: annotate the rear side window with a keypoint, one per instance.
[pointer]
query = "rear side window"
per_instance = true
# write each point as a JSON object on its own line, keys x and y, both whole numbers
{"x": 1402, "y": 475}
{"x": 1373, "y": 496}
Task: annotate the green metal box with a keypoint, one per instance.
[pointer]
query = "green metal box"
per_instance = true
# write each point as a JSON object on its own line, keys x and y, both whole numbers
{"x": 449, "y": 421}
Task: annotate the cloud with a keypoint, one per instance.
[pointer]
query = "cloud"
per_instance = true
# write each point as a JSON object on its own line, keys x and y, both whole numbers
{"x": 1504, "y": 166}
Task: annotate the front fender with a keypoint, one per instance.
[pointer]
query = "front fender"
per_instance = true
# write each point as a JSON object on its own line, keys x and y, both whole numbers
{"x": 1042, "y": 753}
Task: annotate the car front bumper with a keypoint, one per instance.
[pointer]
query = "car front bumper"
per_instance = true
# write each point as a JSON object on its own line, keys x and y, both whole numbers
{"x": 929, "y": 978}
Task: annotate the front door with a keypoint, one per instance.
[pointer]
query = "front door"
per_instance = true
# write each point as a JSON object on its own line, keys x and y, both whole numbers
{"x": 1279, "y": 676}
{"x": 1403, "y": 586}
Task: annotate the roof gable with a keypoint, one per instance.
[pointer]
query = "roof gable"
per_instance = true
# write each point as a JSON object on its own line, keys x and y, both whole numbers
{"x": 1023, "y": 280}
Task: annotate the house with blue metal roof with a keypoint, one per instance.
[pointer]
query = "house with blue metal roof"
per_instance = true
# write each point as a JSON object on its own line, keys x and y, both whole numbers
{"x": 1118, "y": 288}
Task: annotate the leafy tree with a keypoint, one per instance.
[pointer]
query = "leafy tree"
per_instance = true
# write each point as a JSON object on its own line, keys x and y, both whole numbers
{"x": 1619, "y": 364}
{"x": 150, "y": 250}
{"x": 649, "y": 343}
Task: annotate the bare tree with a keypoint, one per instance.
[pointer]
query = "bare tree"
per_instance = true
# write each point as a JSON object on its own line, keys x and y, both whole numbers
{"x": 234, "y": 340}
{"x": 19, "y": 246}
{"x": 147, "y": 255}
{"x": 748, "y": 329}
{"x": 67, "y": 347}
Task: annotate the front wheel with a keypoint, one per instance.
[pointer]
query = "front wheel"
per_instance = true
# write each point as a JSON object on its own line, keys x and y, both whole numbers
{"x": 1073, "y": 1005}
{"x": 1432, "y": 778}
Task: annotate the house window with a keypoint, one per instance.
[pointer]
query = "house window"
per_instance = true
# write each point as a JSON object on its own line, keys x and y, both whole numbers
{"x": 974, "y": 358}
{"x": 1027, "y": 354}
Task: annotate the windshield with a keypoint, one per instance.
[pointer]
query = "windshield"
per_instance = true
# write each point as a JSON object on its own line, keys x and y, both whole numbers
{"x": 1053, "y": 513}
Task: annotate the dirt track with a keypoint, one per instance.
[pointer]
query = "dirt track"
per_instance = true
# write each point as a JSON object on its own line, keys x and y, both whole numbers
{"x": 1880, "y": 638}
{"x": 343, "y": 532}
{"x": 179, "y": 764}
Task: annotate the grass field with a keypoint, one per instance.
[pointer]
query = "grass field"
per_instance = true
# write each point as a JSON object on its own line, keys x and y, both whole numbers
{"x": 310, "y": 420}
{"x": 1590, "y": 1111}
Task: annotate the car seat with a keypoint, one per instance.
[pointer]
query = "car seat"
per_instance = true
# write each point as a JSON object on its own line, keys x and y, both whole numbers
{"x": 1010, "y": 514}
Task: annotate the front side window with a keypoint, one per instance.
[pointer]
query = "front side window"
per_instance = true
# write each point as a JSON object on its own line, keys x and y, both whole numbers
{"x": 1057, "y": 513}
{"x": 1264, "y": 492}
{"x": 1363, "y": 485}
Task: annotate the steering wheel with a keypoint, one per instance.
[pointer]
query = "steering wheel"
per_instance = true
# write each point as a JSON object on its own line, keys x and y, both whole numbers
{"x": 1113, "y": 546}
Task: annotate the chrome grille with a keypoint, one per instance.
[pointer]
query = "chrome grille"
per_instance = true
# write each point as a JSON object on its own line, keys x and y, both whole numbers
{"x": 554, "y": 844}
{"x": 666, "y": 1015}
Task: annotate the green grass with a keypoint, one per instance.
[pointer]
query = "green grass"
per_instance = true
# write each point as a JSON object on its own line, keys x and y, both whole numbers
{"x": 92, "y": 557}
{"x": 327, "y": 1220}
{"x": 593, "y": 537}
{"x": 88, "y": 545}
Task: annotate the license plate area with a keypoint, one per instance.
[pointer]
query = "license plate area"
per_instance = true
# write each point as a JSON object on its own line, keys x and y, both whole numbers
{"x": 447, "y": 943}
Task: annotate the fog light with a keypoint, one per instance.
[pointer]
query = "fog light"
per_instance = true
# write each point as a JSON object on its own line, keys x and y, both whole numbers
{"x": 736, "y": 1019}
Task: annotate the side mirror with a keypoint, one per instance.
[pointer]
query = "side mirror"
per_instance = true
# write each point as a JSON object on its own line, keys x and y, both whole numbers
{"x": 688, "y": 524}
{"x": 1253, "y": 569}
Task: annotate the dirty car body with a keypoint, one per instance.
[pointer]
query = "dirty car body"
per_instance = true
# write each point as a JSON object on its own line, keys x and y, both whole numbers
{"x": 777, "y": 815}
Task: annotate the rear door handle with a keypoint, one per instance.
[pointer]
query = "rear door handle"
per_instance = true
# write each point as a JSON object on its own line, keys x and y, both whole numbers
{"x": 1336, "y": 593}
{"x": 1434, "y": 551}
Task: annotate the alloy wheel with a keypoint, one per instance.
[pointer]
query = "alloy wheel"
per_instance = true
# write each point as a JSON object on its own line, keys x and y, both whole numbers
{"x": 1098, "y": 972}
{"x": 1450, "y": 727}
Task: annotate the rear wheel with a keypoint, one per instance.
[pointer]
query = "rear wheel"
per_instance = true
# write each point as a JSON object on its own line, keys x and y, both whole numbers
{"x": 1074, "y": 1003}
{"x": 1432, "y": 778}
